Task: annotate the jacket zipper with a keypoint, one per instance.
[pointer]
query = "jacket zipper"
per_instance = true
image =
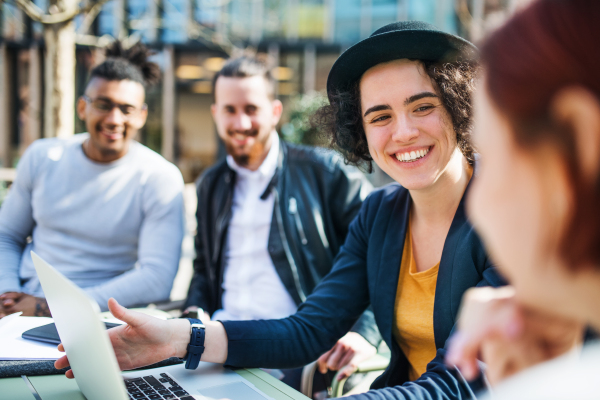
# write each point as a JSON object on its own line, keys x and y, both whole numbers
{"x": 286, "y": 248}
{"x": 293, "y": 209}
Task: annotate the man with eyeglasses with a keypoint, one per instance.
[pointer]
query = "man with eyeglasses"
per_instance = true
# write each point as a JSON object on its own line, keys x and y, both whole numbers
{"x": 101, "y": 207}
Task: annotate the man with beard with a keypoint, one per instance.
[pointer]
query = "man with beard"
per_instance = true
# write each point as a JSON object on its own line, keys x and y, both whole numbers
{"x": 105, "y": 210}
{"x": 271, "y": 217}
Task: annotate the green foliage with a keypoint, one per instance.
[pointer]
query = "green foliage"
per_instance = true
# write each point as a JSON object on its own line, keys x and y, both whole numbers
{"x": 298, "y": 129}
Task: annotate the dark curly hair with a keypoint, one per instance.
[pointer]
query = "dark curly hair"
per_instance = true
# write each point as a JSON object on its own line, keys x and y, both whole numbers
{"x": 341, "y": 120}
{"x": 131, "y": 64}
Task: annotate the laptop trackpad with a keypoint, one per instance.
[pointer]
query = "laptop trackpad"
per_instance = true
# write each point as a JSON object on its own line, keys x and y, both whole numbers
{"x": 232, "y": 391}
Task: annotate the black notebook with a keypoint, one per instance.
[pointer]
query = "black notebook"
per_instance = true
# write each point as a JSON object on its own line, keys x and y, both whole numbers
{"x": 48, "y": 333}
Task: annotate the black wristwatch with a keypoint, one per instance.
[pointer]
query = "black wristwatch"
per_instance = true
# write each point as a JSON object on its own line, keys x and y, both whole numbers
{"x": 196, "y": 346}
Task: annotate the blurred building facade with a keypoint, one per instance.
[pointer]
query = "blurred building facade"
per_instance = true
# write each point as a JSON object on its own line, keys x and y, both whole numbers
{"x": 192, "y": 39}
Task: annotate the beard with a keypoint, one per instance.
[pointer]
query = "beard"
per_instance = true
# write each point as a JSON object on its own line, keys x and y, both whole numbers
{"x": 244, "y": 156}
{"x": 242, "y": 160}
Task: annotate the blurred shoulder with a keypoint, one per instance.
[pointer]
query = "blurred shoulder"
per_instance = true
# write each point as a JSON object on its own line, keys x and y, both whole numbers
{"x": 313, "y": 157}
{"x": 153, "y": 163}
{"x": 53, "y": 148}
{"x": 573, "y": 376}
{"x": 212, "y": 173}
{"x": 321, "y": 159}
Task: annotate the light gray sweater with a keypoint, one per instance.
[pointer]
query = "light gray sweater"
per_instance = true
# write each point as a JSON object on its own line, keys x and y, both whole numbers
{"x": 114, "y": 229}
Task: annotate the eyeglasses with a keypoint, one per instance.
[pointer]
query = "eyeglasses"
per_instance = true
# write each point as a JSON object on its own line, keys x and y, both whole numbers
{"x": 105, "y": 106}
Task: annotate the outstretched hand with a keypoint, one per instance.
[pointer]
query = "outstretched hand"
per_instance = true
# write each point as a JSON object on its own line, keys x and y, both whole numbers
{"x": 346, "y": 355}
{"x": 142, "y": 341}
{"x": 506, "y": 335}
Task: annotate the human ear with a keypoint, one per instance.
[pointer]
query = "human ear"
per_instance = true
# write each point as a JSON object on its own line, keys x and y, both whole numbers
{"x": 277, "y": 111}
{"x": 579, "y": 109}
{"x": 81, "y": 103}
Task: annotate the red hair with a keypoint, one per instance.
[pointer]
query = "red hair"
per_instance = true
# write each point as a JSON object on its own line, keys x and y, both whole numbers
{"x": 548, "y": 46}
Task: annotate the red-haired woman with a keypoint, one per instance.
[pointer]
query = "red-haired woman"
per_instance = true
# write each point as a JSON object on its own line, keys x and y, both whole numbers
{"x": 535, "y": 203}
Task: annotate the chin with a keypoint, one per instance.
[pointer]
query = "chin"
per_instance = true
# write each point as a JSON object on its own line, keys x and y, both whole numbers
{"x": 414, "y": 181}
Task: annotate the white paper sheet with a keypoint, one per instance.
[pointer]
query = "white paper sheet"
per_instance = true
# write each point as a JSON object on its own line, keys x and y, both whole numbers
{"x": 14, "y": 347}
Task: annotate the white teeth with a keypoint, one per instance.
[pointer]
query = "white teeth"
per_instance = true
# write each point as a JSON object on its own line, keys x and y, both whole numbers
{"x": 412, "y": 156}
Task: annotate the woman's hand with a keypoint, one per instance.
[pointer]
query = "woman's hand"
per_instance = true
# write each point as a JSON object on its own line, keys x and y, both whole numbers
{"x": 346, "y": 354}
{"x": 506, "y": 336}
{"x": 144, "y": 340}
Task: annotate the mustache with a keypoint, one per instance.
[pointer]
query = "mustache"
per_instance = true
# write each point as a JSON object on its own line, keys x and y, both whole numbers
{"x": 249, "y": 132}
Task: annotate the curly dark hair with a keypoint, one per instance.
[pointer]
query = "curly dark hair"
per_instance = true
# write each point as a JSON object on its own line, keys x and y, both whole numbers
{"x": 131, "y": 64}
{"x": 341, "y": 120}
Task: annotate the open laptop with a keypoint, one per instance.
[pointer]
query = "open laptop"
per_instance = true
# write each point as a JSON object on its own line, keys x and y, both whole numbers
{"x": 95, "y": 365}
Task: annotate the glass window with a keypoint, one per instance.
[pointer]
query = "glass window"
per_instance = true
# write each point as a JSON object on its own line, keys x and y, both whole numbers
{"x": 106, "y": 19}
{"x": 207, "y": 12}
{"x": 383, "y": 12}
{"x": 347, "y": 21}
{"x": 141, "y": 18}
{"x": 175, "y": 21}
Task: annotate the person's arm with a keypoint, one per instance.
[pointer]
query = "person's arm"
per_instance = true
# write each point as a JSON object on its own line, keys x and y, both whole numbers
{"x": 200, "y": 284}
{"x": 327, "y": 314}
{"x": 16, "y": 223}
{"x": 349, "y": 189}
{"x": 145, "y": 340}
{"x": 159, "y": 246}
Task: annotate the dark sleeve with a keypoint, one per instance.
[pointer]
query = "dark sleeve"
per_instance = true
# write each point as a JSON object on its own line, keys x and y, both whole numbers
{"x": 439, "y": 381}
{"x": 349, "y": 192}
{"x": 199, "y": 286}
{"x": 326, "y": 315}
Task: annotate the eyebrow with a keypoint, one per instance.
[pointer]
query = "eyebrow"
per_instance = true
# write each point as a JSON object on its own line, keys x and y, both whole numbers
{"x": 110, "y": 101}
{"x": 420, "y": 96}
{"x": 379, "y": 107}
{"x": 411, "y": 99}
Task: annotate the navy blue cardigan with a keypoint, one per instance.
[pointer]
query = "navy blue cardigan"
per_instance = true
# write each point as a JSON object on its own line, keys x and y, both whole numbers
{"x": 365, "y": 273}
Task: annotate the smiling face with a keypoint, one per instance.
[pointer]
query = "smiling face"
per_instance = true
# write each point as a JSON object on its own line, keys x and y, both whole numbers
{"x": 246, "y": 116}
{"x": 408, "y": 129}
{"x": 111, "y": 128}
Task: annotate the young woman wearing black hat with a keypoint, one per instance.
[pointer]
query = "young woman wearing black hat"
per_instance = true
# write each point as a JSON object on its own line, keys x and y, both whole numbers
{"x": 410, "y": 254}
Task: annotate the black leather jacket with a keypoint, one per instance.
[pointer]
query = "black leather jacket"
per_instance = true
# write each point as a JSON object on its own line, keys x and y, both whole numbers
{"x": 316, "y": 198}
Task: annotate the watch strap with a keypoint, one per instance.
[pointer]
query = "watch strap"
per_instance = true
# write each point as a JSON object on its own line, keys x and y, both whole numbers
{"x": 196, "y": 346}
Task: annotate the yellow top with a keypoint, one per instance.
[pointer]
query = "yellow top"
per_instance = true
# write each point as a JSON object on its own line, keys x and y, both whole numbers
{"x": 413, "y": 311}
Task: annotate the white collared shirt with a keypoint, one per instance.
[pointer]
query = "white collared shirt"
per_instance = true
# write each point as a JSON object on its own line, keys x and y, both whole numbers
{"x": 252, "y": 287}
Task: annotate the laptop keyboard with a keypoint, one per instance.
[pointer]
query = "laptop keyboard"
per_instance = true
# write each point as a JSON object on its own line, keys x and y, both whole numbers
{"x": 155, "y": 388}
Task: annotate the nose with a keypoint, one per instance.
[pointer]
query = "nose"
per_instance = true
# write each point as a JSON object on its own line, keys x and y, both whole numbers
{"x": 242, "y": 122}
{"x": 405, "y": 130}
{"x": 115, "y": 117}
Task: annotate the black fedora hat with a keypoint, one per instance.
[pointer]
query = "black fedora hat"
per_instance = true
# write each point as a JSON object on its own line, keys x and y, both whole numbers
{"x": 406, "y": 39}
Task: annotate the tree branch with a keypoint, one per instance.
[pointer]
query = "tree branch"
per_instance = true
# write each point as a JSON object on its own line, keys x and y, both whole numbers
{"x": 38, "y": 15}
{"x": 91, "y": 15}
{"x": 31, "y": 9}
